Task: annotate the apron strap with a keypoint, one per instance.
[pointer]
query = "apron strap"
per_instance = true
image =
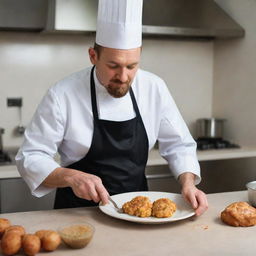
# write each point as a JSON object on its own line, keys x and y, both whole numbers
{"x": 134, "y": 103}
{"x": 94, "y": 101}
{"x": 93, "y": 97}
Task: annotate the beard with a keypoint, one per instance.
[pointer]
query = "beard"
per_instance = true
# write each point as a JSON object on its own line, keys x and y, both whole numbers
{"x": 118, "y": 89}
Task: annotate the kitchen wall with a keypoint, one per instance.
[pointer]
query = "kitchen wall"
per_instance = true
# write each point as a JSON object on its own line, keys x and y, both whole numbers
{"x": 234, "y": 74}
{"x": 32, "y": 62}
{"x": 205, "y": 78}
{"x": 234, "y": 91}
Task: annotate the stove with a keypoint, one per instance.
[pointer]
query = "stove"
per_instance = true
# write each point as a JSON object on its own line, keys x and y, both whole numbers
{"x": 214, "y": 143}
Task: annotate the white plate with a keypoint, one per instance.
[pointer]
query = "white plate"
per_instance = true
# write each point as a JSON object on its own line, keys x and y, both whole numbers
{"x": 183, "y": 211}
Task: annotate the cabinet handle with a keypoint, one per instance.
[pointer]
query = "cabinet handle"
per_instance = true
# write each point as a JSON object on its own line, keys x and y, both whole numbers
{"x": 158, "y": 176}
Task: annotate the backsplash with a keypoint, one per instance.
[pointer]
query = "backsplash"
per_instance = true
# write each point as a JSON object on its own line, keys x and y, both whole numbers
{"x": 32, "y": 62}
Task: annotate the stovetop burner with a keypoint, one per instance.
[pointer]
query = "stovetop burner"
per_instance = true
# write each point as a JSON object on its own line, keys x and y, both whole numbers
{"x": 214, "y": 143}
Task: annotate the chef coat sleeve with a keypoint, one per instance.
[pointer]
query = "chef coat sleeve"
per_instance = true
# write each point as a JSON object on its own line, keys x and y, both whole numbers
{"x": 35, "y": 159}
{"x": 176, "y": 144}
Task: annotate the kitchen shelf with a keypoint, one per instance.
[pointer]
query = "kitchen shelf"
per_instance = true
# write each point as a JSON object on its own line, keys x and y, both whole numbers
{"x": 207, "y": 155}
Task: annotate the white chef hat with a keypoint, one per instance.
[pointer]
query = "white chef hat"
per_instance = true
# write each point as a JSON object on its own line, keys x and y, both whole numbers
{"x": 119, "y": 24}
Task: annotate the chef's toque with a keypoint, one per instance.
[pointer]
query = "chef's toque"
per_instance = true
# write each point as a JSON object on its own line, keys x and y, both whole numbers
{"x": 119, "y": 24}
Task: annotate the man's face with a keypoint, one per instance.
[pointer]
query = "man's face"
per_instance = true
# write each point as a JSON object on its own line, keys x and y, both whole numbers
{"x": 116, "y": 68}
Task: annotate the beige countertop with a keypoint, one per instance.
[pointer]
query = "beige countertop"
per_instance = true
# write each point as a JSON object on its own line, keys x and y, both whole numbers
{"x": 205, "y": 235}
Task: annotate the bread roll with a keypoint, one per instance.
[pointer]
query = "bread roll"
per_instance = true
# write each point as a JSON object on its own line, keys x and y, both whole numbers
{"x": 11, "y": 243}
{"x": 31, "y": 244}
{"x": 50, "y": 241}
{"x": 20, "y": 230}
{"x": 4, "y": 224}
{"x": 239, "y": 214}
{"x": 41, "y": 233}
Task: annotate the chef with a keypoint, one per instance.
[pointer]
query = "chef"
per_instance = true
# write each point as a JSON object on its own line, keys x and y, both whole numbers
{"x": 103, "y": 121}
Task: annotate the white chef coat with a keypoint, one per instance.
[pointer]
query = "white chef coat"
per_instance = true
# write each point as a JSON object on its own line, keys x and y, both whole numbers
{"x": 63, "y": 123}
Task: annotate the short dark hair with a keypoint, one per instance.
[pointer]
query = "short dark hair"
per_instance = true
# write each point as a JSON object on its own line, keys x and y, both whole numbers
{"x": 98, "y": 49}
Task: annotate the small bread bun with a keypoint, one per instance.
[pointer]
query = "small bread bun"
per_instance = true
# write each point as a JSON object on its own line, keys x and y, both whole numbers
{"x": 50, "y": 241}
{"x": 4, "y": 224}
{"x": 31, "y": 244}
{"x": 11, "y": 243}
{"x": 41, "y": 233}
{"x": 16, "y": 229}
{"x": 239, "y": 214}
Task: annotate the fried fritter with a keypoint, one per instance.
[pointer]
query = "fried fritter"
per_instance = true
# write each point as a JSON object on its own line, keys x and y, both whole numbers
{"x": 163, "y": 208}
{"x": 239, "y": 214}
{"x": 139, "y": 206}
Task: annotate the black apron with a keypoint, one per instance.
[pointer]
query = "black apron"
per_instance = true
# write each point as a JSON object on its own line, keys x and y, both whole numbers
{"x": 118, "y": 155}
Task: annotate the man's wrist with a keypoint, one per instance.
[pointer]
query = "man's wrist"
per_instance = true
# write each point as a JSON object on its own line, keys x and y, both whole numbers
{"x": 68, "y": 175}
{"x": 187, "y": 179}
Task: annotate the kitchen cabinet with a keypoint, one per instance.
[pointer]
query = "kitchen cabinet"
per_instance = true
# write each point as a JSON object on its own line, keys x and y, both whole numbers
{"x": 15, "y": 196}
{"x": 159, "y": 178}
{"x": 23, "y": 15}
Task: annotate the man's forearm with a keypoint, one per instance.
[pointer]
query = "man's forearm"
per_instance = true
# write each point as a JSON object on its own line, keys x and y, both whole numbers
{"x": 58, "y": 178}
{"x": 84, "y": 185}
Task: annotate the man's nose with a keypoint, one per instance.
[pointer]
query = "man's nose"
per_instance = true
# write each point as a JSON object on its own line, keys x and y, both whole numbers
{"x": 123, "y": 75}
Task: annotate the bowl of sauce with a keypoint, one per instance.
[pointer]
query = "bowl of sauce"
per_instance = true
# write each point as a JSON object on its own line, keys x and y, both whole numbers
{"x": 77, "y": 235}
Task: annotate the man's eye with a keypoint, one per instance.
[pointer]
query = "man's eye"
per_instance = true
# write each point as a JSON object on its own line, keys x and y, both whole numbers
{"x": 112, "y": 66}
{"x": 131, "y": 67}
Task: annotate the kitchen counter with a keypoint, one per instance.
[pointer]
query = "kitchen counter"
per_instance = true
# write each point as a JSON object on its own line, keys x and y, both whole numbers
{"x": 10, "y": 171}
{"x": 207, "y": 155}
{"x": 205, "y": 235}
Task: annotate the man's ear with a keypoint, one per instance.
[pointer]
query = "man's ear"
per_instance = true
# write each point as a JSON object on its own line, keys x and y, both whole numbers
{"x": 93, "y": 55}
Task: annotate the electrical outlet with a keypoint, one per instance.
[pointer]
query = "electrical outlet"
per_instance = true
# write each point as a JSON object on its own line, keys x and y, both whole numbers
{"x": 14, "y": 102}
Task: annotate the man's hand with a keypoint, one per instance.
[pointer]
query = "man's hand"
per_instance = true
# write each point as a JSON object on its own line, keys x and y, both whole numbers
{"x": 84, "y": 185}
{"x": 88, "y": 186}
{"x": 192, "y": 194}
